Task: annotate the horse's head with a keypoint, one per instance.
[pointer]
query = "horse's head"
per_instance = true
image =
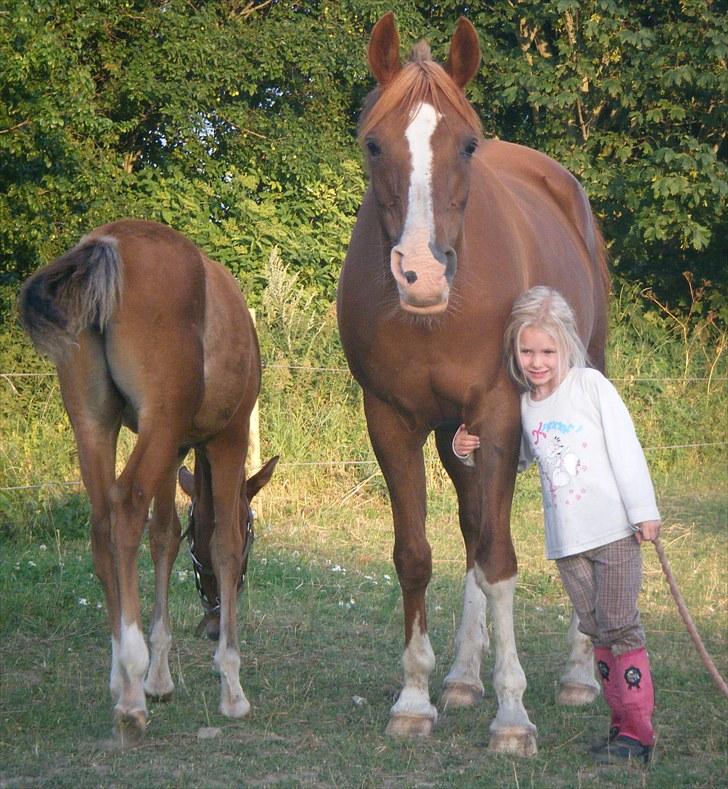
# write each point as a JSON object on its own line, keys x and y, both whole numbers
{"x": 200, "y": 527}
{"x": 419, "y": 134}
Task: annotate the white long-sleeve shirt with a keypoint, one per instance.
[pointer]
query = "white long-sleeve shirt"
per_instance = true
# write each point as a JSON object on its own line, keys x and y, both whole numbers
{"x": 594, "y": 476}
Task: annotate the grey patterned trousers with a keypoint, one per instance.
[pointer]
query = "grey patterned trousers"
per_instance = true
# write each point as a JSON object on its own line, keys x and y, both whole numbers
{"x": 603, "y": 585}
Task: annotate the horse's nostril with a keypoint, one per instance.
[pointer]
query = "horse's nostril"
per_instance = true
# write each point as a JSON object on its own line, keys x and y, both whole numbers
{"x": 451, "y": 263}
{"x": 411, "y": 277}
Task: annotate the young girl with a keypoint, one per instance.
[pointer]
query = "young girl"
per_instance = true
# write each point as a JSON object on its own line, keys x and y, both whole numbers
{"x": 599, "y": 503}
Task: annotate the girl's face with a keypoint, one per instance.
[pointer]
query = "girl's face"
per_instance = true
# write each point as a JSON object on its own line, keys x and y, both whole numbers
{"x": 541, "y": 361}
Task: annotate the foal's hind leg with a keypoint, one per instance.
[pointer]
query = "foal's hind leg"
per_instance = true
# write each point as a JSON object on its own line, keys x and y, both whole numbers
{"x": 154, "y": 454}
{"x": 226, "y": 454}
{"x": 164, "y": 538}
{"x": 94, "y": 409}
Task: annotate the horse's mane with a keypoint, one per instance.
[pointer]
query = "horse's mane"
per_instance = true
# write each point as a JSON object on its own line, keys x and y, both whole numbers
{"x": 421, "y": 79}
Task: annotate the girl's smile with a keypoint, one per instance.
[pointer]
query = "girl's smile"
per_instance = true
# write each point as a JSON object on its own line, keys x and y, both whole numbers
{"x": 541, "y": 361}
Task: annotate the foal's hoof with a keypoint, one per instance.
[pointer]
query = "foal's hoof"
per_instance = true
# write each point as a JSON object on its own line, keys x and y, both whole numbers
{"x": 514, "y": 740}
{"x": 573, "y": 694}
{"x": 129, "y": 727}
{"x": 410, "y": 726}
{"x": 459, "y": 694}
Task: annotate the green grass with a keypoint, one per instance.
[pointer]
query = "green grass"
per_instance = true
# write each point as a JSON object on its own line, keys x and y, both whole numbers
{"x": 321, "y": 625}
{"x": 320, "y": 620}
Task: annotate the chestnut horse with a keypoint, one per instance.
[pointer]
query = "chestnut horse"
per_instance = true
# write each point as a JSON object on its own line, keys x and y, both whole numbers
{"x": 148, "y": 332}
{"x": 451, "y": 230}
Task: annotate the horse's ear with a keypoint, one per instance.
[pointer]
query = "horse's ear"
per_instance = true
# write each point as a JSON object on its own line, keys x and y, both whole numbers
{"x": 261, "y": 477}
{"x": 383, "y": 52}
{"x": 464, "y": 58}
{"x": 186, "y": 481}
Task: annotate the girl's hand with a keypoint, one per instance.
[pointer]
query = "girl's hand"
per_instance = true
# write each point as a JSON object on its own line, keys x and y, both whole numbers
{"x": 648, "y": 531}
{"x": 464, "y": 443}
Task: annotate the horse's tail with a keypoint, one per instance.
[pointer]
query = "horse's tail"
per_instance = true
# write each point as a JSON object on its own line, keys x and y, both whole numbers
{"x": 77, "y": 291}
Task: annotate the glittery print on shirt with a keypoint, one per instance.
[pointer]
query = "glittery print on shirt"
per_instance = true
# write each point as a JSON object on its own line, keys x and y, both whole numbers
{"x": 556, "y": 446}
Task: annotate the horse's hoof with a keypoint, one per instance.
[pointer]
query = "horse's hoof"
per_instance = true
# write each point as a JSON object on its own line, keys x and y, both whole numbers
{"x": 158, "y": 698}
{"x": 161, "y": 690}
{"x": 129, "y": 727}
{"x": 514, "y": 741}
{"x": 573, "y": 694}
{"x": 235, "y": 709}
{"x": 410, "y": 726}
{"x": 459, "y": 694}
{"x": 209, "y": 628}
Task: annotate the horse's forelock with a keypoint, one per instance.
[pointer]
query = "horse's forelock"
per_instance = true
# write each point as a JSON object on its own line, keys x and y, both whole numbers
{"x": 419, "y": 80}
{"x": 420, "y": 51}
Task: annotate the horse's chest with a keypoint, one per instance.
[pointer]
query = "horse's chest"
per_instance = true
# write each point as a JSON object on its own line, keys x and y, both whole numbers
{"x": 417, "y": 383}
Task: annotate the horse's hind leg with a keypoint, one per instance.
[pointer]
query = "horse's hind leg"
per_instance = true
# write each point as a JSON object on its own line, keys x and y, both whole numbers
{"x": 94, "y": 409}
{"x": 226, "y": 454}
{"x": 149, "y": 463}
{"x": 463, "y": 686}
{"x": 578, "y": 685}
{"x": 164, "y": 538}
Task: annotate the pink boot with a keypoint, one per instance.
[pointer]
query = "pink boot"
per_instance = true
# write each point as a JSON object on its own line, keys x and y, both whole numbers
{"x": 610, "y": 690}
{"x": 637, "y": 695}
{"x": 635, "y": 702}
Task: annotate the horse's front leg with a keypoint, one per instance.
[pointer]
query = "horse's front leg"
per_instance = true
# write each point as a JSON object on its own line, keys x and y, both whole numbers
{"x": 399, "y": 452}
{"x": 164, "y": 538}
{"x": 495, "y": 572}
{"x": 463, "y": 686}
{"x": 578, "y": 685}
{"x": 226, "y": 454}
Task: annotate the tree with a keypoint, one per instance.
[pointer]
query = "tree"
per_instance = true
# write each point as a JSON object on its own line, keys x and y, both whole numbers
{"x": 630, "y": 96}
{"x": 234, "y": 121}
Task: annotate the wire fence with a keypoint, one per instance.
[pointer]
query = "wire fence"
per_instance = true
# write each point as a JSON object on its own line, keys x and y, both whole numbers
{"x": 351, "y": 462}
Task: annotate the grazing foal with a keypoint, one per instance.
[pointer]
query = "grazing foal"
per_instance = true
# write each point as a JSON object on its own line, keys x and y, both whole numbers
{"x": 451, "y": 230}
{"x": 148, "y": 332}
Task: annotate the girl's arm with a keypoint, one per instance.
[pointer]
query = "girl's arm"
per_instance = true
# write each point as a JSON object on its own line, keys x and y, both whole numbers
{"x": 627, "y": 461}
{"x": 647, "y": 531}
{"x": 464, "y": 444}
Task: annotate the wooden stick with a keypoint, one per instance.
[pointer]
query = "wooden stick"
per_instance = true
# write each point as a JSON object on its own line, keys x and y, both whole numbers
{"x": 685, "y": 614}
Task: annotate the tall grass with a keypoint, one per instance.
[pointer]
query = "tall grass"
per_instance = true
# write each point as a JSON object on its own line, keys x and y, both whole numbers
{"x": 670, "y": 368}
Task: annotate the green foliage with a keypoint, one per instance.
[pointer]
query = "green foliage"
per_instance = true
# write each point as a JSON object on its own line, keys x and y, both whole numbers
{"x": 235, "y": 122}
{"x": 631, "y": 98}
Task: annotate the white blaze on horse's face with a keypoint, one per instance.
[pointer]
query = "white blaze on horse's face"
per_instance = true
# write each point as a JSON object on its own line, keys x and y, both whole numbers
{"x": 419, "y": 268}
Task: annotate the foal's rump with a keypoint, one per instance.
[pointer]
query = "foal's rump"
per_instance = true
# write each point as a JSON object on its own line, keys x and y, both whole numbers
{"x": 138, "y": 304}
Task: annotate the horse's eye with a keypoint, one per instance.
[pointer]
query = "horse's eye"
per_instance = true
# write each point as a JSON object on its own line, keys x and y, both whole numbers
{"x": 373, "y": 148}
{"x": 470, "y": 147}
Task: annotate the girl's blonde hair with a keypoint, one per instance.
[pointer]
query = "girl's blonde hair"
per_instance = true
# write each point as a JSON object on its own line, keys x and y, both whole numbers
{"x": 545, "y": 309}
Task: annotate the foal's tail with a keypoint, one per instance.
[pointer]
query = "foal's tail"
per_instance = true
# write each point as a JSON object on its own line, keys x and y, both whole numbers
{"x": 79, "y": 290}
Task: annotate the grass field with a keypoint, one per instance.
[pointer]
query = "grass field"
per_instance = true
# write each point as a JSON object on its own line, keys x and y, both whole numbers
{"x": 321, "y": 641}
{"x": 320, "y": 619}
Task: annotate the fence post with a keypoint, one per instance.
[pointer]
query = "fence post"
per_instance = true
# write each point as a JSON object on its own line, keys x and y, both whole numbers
{"x": 252, "y": 462}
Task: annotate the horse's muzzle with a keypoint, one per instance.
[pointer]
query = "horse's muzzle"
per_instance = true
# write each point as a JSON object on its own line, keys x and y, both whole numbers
{"x": 423, "y": 277}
